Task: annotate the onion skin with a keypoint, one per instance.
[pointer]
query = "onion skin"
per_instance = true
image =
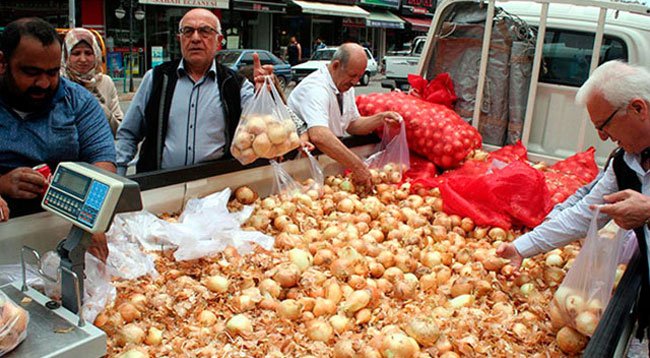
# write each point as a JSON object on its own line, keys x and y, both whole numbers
{"x": 571, "y": 341}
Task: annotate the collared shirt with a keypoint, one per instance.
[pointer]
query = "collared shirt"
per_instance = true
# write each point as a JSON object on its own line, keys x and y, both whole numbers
{"x": 74, "y": 128}
{"x": 573, "y": 223}
{"x": 196, "y": 127}
{"x": 314, "y": 100}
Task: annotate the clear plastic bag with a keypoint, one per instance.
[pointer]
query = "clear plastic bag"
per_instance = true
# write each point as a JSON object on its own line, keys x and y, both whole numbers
{"x": 316, "y": 176}
{"x": 265, "y": 128}
{"x": 583, "y": 295}
{"x": 13, "y": 324}
{"x": 392, "y": 159}
{"x": 283, "y": 183}
{"x": 98, "y": 289}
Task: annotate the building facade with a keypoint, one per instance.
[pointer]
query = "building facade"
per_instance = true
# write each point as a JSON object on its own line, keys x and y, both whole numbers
{"x": 380, "y": 25}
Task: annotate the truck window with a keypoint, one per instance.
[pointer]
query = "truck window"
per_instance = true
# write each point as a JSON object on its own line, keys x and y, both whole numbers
{"x": 418, "y": 47}
{"x": 567, "y": 55}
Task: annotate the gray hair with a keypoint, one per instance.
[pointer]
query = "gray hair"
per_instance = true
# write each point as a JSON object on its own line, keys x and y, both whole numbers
{"x": 343, "y": 53}
{"x": 618, "y": 83}
{"x": 216, "y": 19}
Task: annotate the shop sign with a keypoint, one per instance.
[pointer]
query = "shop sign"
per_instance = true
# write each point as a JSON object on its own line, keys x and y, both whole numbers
{"x": 266, "y": 6}
{"x": 393, "y": 4}
{"x": 353, "y": 22}
{"x": 420, "y": 7}
{"x": 215, "y": 4}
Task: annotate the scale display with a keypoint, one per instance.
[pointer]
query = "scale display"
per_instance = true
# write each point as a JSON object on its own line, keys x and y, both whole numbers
{"x": 89, "y": 196}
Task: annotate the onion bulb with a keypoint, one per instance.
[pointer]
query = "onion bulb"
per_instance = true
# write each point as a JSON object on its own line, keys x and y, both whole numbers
{"x": 289, "y": 309}
{"x": 423, "y": 329}
{"x": 245, "y": 195}
{"x": 139, "y": 301}
{"x": 270, "y": 287}
{"x": 346, "y": 348}
{"x": 356, "y": 301}
{"x": 570, "y": 341}
{"x": 399, "y": 345}
{"x": 319, "y": 330}
{"x": 461, "y": 301}
{"x": 574, "y": 304}
{"x": 154, "y": 336}
{"x": 131, "y": 333}
{"x": 340, "y": 323}
{"x": 239, "y": 325}
{"x": 216, "y": 283}
{"x": 287, "y": 275}
{"x": 301, "y": 258}
{"x": 128, "y": 312}
{"x": 586, "y": 323}
{"x": 207, "y": 318}
{"x": 133, "y": 353}
{"x": 554, "y": 260}
{"x": 323, "y": 306}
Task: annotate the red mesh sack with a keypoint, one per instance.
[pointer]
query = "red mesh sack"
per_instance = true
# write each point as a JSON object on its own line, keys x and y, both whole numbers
{"x": 515, "y": 195}
{"x": 582, "y": 165}
{"x": 510, "y": 153}
{"x": 432, "y": 130}
{"x": 439, "y": 90}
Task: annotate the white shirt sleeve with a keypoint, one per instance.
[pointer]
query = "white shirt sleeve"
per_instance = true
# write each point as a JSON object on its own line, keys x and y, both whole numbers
{"x": 312, "y": 106}
{"x": 570, "y": 224}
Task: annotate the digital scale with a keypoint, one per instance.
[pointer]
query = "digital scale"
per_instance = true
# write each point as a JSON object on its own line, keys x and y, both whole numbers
{"x": 88, "y": 197}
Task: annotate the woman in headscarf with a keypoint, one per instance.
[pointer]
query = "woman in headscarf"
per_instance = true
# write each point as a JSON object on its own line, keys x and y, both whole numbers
{"x": 82, "y": 63}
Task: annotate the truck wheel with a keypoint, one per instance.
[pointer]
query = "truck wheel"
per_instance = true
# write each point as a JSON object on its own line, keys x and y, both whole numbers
{"x": 365, "y": 79}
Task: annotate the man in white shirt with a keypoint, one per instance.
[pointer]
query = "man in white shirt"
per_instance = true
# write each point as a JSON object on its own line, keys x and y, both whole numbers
{"x": 325, "y": 101}
{"x": 617, "y": 96}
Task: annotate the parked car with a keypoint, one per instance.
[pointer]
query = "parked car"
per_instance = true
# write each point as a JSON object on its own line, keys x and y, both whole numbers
{"x": 398, "y": 66}
{"x": 236, "y": 59}
{"x": 324, "y": 56}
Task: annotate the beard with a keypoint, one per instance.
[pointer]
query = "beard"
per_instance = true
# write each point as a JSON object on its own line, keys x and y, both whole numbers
{"x": 23, "y": 101}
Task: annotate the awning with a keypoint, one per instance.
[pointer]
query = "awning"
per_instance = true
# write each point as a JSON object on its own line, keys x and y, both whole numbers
{"x": 418, "y": 24}
{"x": 384, "y": 19}
{"x": 319, "y": 8}
{"x": 256, "y": 6}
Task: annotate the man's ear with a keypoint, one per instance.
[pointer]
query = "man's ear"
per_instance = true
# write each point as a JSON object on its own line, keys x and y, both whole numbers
{"x": 639, "y": 106}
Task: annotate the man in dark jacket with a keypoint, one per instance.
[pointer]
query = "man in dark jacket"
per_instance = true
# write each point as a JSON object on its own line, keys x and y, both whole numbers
{"x": 186, "y": 111}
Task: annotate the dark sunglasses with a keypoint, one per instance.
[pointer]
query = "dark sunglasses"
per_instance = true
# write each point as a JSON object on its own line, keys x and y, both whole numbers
{"x": 606, "y": 122}
{"x": 204, "y": 31}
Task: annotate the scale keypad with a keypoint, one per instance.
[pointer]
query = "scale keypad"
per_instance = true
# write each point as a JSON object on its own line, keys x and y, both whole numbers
{"x": 84, "y": 212}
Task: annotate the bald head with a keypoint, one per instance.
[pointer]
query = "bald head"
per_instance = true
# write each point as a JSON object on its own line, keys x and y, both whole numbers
{"x": 349, "y": 51}
{"x": 202, "y": 14}
{"x": 347, "y": 66}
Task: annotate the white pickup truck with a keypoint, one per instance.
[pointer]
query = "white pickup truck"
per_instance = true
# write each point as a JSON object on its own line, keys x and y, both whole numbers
{"x": 397, "y": 68}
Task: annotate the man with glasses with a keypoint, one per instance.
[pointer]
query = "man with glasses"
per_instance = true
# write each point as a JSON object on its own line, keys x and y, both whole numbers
{"x": 186, "y": 111}
{"x": 617, "y": 97}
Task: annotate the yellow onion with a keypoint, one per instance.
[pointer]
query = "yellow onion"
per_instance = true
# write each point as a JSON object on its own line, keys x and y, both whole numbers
{"x": 399, "y": 345}
{"x": 363, "y": 316}
{"x": 239, "y": 325}
{"x": 423, "y": 329}
{"x": 217, "y": 283}
{"x": 586, "y": 323}
{"x": 270, "y": 287}
{"x": 154, "y": 336}
{"x": 287, "y": 275}
{"x": 139, "y": 301}
{"x": 128, "y": 312}
{"x": 319, "y": 330}
{"x": 245, "y": 194}
{"x": 131, "y": 333}
{"x": 301, "y": 258}
{"x": 570, "y": 341}
{"x": 207, "y": 318}
{"x": 289, "y": 309}
{"x": 323, "y": 307}
{"x": 356, "y": 301}
{"x": 340, "y": 323}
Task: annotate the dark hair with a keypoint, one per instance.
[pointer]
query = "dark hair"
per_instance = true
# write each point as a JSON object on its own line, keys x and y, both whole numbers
{"x": 29, "y": 26}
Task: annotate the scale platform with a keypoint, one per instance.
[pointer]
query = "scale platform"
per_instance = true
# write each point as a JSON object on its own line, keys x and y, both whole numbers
{"x": 53, "y": 332}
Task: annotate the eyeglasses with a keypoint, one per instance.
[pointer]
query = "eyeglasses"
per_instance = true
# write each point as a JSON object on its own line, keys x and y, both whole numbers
{"x": 204, "y": 31}
{"x": 606, "y": 122}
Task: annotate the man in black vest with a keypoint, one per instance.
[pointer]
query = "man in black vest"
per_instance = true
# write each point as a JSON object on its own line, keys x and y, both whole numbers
{"x": 186, "y": 111}
{"x": 617, "y": 97}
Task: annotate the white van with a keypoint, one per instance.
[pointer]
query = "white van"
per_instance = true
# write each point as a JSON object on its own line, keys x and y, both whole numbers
{"x": 556, "y": 127}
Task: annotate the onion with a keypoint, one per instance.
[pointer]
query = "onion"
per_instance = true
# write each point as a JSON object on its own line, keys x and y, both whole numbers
{"x": 346, "y": 348}
{"x": 128, "y": 312}
{"x": 574, "y": 304}
{"x": 497, "y": 233}
{"x": 428, "y": 282}
{"x": 262, "y": 145}
{"x": 301, "y": 258}
{"x": 239, "y": 325}
{"x": 289, "y": 309}
{"x": 287, "y": 275}
{"x": 323, "y": 307}
{"x": 363, "y": 316}
{"x": 139, "y": 301}
{"x": 207, "y": 318}
{"x": 520, "y": 330}
{"x": 277, "y": 134}
{"x": 386, "y": 258}
{"x": 554, "y": 260}
{"x": 404, "y": 290}
{"x": 423, "y": 329}
{"x": 493, "y": 263}
{"x": 462, "y": 286}
{"x": 461, "y": 301}
{"x": 340, "y": 323}
{"x": 595, "y": 306}
{"x": 557, "y": 318}
{"x": 346, "y": 205}
{"x": 399, "y": 345}
{"x": 216, "y": 283}
{"x": 133, "y": 353}
{"x": 356, "y": 301}
{"x": 324, "y": 257}
{"x": 527, "y": 288}
{"x": 586, "y": 323}
{"x": 467, "y": 224}
{"x": 444, "y": 346}
{"x": 393, "y": 274}
{"x": 242, "y": 303}
{"x": 319, "y": 330}
{"x": 245, "y": 195}
{"x": 357, "y": 282}
{"x": 570, "y": 341}
{"x": 281, "y": 222}
{"x": 270, "y": 287}
{"x": 333, "y": 292}
{"x": 131, "y": 333}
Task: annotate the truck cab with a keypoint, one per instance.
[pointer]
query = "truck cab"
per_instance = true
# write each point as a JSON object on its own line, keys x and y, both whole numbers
{"x": 396, "y": 68}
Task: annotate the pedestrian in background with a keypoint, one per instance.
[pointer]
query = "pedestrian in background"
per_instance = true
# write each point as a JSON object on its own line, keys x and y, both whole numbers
{"x": 318, "y": 44}
{"x": 82, "y": 63}
{"x": 294, "y": 51}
